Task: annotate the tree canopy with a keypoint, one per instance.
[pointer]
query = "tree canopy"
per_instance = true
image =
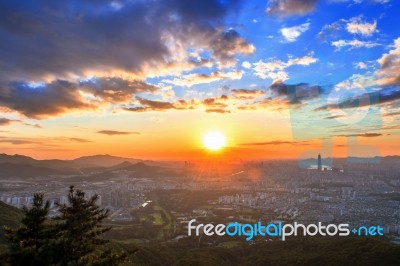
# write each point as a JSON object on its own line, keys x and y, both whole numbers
{"x": 73, "y": 237}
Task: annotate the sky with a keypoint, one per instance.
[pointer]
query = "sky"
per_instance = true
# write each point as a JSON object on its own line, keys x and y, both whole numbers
{"x": 148, "y": 79}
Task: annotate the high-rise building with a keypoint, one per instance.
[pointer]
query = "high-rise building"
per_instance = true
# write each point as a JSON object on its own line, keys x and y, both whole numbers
{"x": 319, "y": 162}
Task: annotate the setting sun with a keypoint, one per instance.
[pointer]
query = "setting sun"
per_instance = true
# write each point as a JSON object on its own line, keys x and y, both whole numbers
{"x": 214, "y": 140}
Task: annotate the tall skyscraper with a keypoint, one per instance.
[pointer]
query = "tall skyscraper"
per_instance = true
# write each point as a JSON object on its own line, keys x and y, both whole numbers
{"x": 319, "y": 162}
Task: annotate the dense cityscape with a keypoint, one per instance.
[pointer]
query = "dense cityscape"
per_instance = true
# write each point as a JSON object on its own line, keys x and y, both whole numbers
{"x": 143, "y": 193}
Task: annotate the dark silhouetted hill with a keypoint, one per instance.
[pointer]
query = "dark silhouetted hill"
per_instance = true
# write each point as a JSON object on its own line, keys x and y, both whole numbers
{"x": 9, "y": 216}
{"x": 103, "y": 160}
{"x": 11, "y": 170}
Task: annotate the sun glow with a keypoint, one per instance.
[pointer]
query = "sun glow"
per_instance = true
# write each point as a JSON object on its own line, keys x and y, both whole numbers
{"x": 214, "y": 140}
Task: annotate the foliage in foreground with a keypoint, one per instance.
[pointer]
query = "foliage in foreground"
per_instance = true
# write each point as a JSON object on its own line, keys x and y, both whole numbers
{"x": 71, "y": 238}
{"x": 324, "y": 251}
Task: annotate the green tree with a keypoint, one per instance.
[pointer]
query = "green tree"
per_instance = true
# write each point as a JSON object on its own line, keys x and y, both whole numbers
{"x": 28, "y": 244}
{"x": 78, "y": 228}
{"x": 71, "y": 238}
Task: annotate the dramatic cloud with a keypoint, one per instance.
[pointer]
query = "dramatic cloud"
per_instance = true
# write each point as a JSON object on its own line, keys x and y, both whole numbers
{"x": 290, "y": 7}
{"x": 296, "y": 93}
{"x": 217, "y": 110}
{"x": 114, "y": 90}
{"x": 358, "y": 26}
{"x": 292, "y": 33}
{"x": 60, "y": 96}
{"x": 227, "y": 45}
{"x": 5, "y": 121}
{"x": 195, "y": 79}
{"x": 67, "y": 39}
{"x": 389, "y": 73}
{"x": 155, "y": 105}
{"x": 60, "y": 56}
{"x": 364, "y": 135}
{"x": 215, "y": 102}
{"x": 114, "y": 132}
{"x": 384, "y": 95}
{"x": 36, "y": 102}
{"x": 352, "y": 44}
{"x": 246, "y": 94}
{"x": 355, "y": 26}
{"x": 211, "y": 105}
{"x": 275, "y": 69}
{"x": 146, "y": 105}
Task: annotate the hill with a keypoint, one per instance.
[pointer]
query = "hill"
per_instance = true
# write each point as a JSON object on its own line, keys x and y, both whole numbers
{"x": 9, "y": 216}
{"x": 300, "y": 251}
{"x": 16, "y": 158}
{"x": 104, "y": 160}
{"x": 25, "y": 160}
{"x": 25, "y": 167}
{"x": 11, "y": 170}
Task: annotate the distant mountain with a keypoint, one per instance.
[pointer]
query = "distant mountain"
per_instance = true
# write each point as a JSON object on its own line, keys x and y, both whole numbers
{"x": 143, "y": 170}
{"x": 11, "y": 170}
{"x": 105, "y": 160}
{"x": 25, "y": 167}
{"x": 54, "y": 164}
{"x": 136, "y": 170}
{"x": 121, "y": 165}
{"x": 5, "y": 158}
{"x": 59, "y": 164}
{"x": 9, "y": 216}
{"x": 102, "y": 161}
